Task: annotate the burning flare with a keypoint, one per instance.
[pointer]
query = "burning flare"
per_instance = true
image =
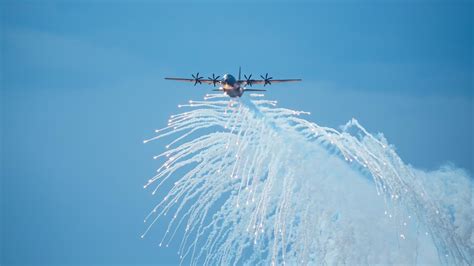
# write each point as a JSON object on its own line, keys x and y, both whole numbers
{"x": 252, "y": 183}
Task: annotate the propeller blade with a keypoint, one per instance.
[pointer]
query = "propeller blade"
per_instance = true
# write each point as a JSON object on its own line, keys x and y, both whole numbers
{"x": 214, "y": 79}
{"x": 248, "y": 80}
{"x": 266, "y": 79}
{"x": 197, "y": 78}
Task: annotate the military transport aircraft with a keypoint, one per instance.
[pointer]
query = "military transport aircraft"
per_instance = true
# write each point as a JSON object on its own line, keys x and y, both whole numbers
{"x": 231, "y": 86}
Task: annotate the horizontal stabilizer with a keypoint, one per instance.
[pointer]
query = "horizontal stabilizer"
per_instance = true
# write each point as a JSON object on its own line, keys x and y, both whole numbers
{"x": 253, "y": 90}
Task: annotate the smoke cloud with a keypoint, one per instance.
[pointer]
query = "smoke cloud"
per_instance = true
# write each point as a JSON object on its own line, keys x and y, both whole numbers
{"x": 252, "y": 183}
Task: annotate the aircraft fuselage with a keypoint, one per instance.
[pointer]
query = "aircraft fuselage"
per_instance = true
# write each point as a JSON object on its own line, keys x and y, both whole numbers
{"x": 231, "y": 86}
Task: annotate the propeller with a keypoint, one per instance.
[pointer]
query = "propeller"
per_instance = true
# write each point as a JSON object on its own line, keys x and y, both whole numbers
{"x": 214, "y": 79}
{"x": 197, "y": 79}
{"x": 266, "y": 79}
{"x": 248, "y": 80}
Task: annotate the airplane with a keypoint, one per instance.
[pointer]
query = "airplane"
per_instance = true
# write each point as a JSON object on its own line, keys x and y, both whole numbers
{"x": 231, "y": 86}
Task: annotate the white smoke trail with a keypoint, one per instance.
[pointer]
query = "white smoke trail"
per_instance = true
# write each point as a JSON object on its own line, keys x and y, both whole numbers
{"x": 261, "y": 185}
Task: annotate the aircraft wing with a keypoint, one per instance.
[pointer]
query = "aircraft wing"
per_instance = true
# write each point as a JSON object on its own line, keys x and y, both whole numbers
{"x": 207, "y": 81}
{"x": 262, "y": 81}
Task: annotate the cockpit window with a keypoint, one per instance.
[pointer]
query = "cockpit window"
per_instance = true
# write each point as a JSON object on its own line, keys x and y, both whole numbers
{"x": 229, "y": 79}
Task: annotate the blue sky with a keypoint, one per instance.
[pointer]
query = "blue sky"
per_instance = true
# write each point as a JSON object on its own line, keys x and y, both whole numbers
{"x": 82, "y": 86}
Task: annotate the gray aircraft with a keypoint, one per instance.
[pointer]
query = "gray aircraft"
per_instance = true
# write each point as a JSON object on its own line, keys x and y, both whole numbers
{"x": 231, "y": 86}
